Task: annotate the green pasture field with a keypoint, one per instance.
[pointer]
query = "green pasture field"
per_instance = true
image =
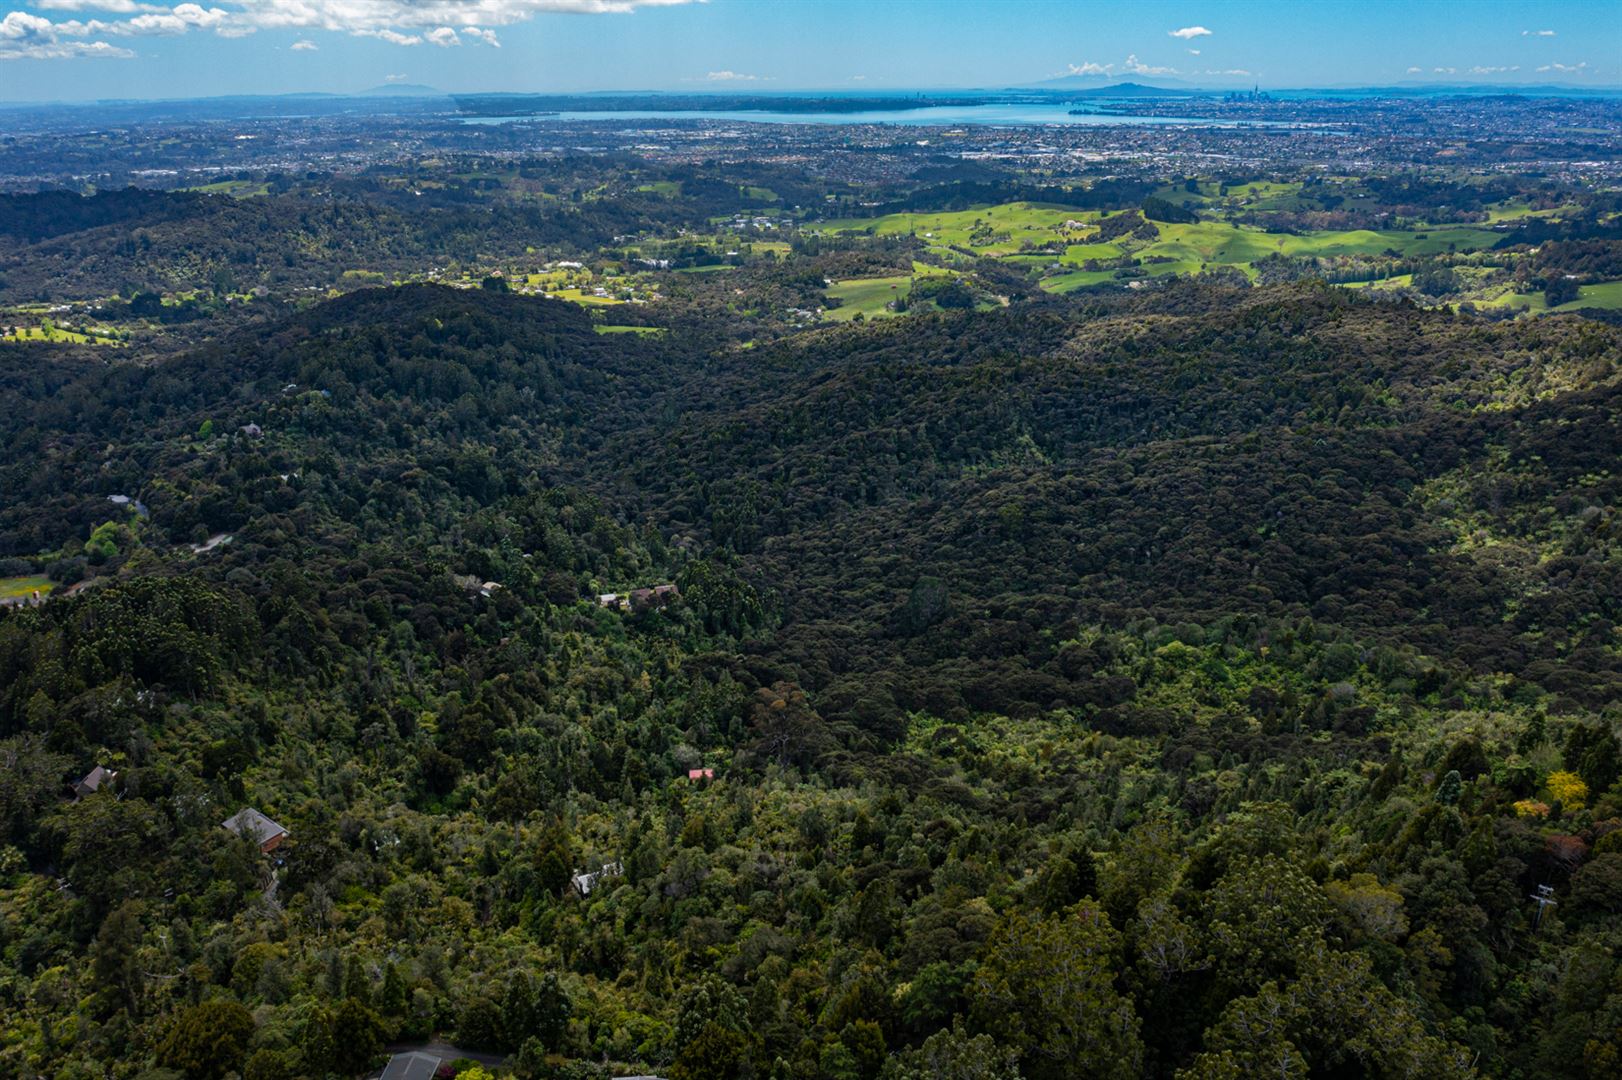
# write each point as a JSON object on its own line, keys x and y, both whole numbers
{"x": 239, "y": 189}
{"x": 1605, "y": 294}
{"x": 1263, "y": 189}
{"x": 56, "y": 334}
{"x": 580, "y": 296}
{"x": 1517, "y": 211}
{"x": 547, "y": 279}
{"x": 24, "y": 586}
{"x": 1076, "y": 279}
{"x": 1219, "y": 242}
{"x": 868, "y": 296}
{"x": 1022, "y": 221}
{"x": 640, "y": 331}
{"x": 1009, "y": 230}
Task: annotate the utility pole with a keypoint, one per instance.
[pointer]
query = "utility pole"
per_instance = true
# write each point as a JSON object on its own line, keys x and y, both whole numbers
{"x": 1545, "y": 898}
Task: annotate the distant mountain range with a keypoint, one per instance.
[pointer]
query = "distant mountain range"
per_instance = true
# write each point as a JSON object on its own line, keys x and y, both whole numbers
{"x": 416, "y": 97}
{"x": 1090, "y": 85}
{"x": 402, "y": 90}
{"x": 1098, "y": 86}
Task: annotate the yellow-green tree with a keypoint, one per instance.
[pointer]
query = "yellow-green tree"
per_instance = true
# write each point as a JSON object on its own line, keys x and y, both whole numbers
{"x": 1046, "y": 987}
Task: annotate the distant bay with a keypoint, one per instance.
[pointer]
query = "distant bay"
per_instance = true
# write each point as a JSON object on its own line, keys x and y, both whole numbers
{"x": 1016, "y": 114}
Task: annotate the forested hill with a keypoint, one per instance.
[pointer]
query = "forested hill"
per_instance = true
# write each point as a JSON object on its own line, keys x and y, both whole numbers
{"x": 1192, "y": 682}
{"x": 1419, "y": 480}
{"x": 289, "y": 235}
{"x": 423, "y": 373}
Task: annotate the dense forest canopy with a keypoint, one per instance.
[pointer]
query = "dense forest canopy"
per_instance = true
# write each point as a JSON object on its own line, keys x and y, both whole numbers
{"x": 1198, "y": 680}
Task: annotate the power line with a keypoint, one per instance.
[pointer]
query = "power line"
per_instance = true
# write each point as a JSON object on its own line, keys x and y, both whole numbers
{"x": 1545, "y": 898}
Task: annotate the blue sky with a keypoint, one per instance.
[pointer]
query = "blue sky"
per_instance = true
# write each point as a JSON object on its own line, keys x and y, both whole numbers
{"x": 79, "y": 49}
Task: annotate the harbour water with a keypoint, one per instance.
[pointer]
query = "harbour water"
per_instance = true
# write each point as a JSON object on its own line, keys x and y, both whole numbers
{"x": 1017, "y": 114}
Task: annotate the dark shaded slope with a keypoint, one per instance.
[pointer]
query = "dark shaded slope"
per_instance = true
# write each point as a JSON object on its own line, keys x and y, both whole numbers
{"x": 1273, "y": 456}
{"x": 346, "y": 381}
{"x": 1427, "y": 481}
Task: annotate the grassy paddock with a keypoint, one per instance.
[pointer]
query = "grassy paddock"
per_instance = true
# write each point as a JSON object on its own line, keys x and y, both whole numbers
{"x": 1017, "y": 230}
{"x": 869, "y": 297}
{"x": 11, "y": 588}
{"x": 57, "y": 335}
{"x": 1605, "y": 294}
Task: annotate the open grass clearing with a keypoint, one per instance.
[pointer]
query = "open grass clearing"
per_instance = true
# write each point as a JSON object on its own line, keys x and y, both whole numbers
{"x": 237, "y": 189}
{"x": 989, "y": 230}
{"x": 1031, "y": 231}
{"x": 867, "y": 297}
{"x": 1077, "y": 279}
{"x": 1606, "y": 295}
{"x": 57, "y": 335}
{"x": 871, "y": 297}
{"x": 580, "y": 296}
{"x": 11, "y": 588}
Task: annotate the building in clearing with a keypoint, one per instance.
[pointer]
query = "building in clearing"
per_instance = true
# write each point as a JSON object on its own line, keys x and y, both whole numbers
{"x": 701, "y": 774}
{"x": 640, "y": 599}
{"x": 251, "y": 822}
{"x": 584, "y": 882}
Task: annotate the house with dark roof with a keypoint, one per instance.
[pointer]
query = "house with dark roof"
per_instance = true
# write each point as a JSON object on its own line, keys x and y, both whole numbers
{"x": 640, "y": 599}
{"x": 412, "y": 1066}
{"x": 251, "y": 823}
{"x": 93, "y": 782}
{"x": 417, "y": 1065}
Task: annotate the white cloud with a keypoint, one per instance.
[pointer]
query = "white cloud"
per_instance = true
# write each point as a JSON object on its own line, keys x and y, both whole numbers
{"x": 1568, "y": 69}
{"x": 24, "y": 36}
{"x": 1537, "y": 33}
{"x": 1445, "y": 71}
{"x": 348, "y": 16}
{"x": 165, "y": 23}
{"x": 117, "y": 7}
{"x": 1480, "y": 70}
{"x": 393, "y": 37}
{"x": 445, "y": 23}
{"x": 1193, "y": 52}
{"x": 1415, "y": 70}
{"x": 1134, "y": 66}
{"x": 733, "y": 76}
{"x": 1189, "y": 33}
{"x": 196, "y": 15}
{"x": 395, "y": 78}
{"x": 305, "y": 45}
{"x": 1090, "y": 68}
{"x": 1230, "y": 71}
{"x": 20, "y": 24}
